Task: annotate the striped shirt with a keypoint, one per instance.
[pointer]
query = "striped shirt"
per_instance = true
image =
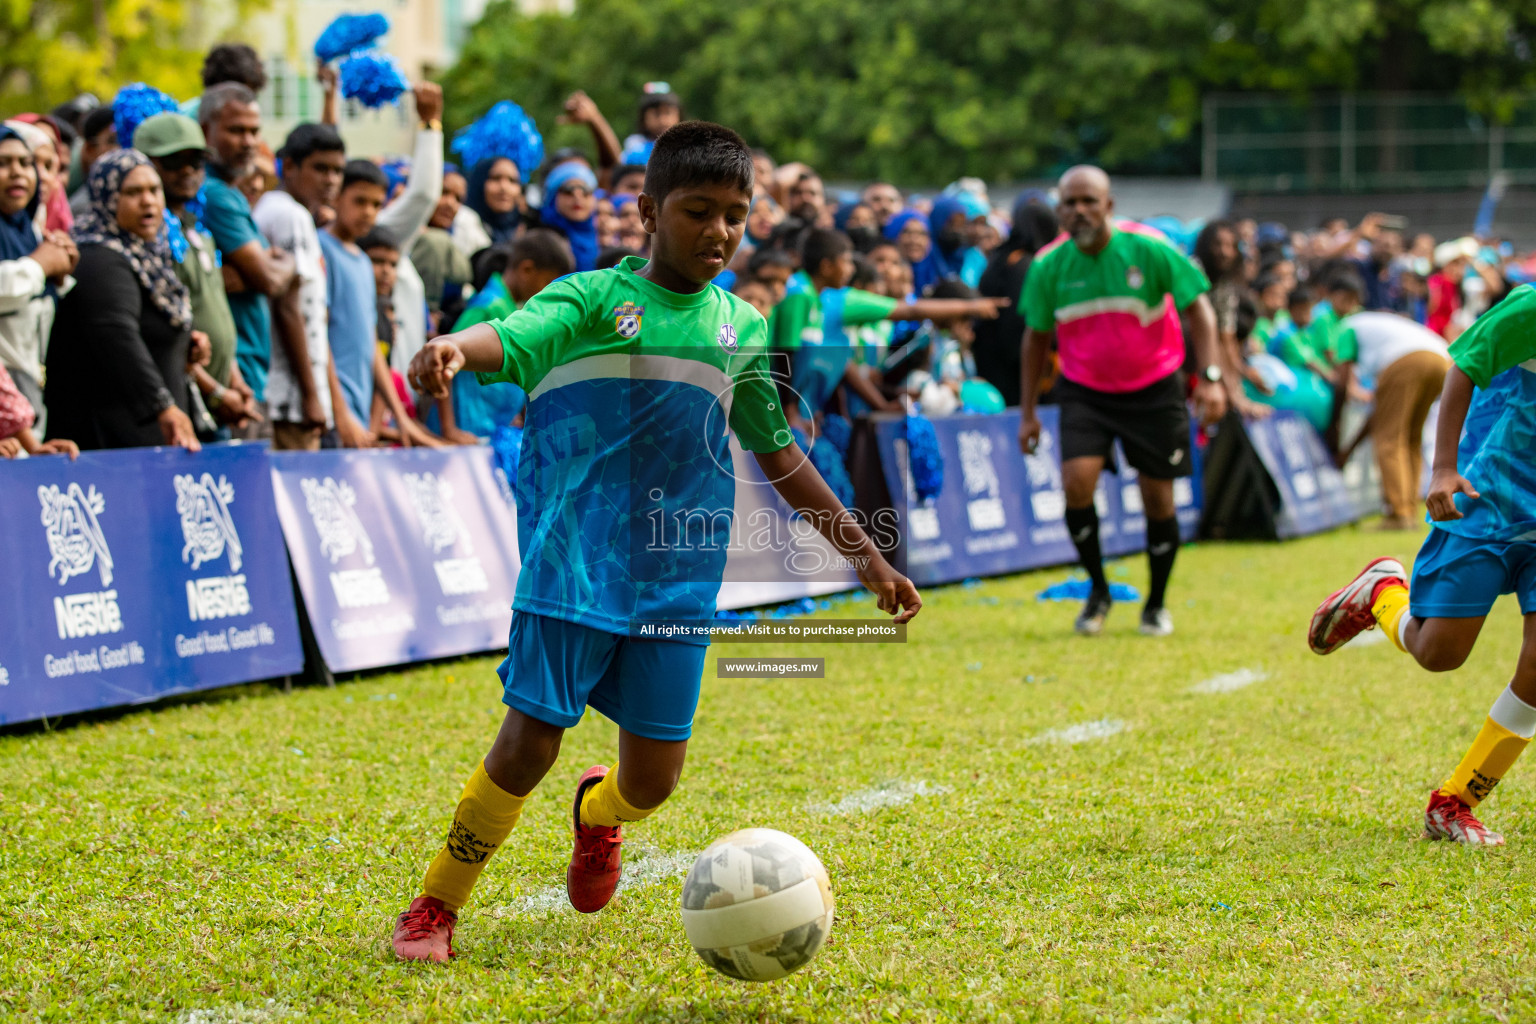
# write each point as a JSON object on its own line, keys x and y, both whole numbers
{"x": 1115, "y": 313}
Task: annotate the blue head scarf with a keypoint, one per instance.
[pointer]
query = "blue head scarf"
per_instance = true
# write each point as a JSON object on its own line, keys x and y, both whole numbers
{"x": 947, "y": 261}
{"x": 18, "y": 235}
{"x": 927, "y": 270}
{"x": 582, "y": 235}
{"x": 500, "y": 226}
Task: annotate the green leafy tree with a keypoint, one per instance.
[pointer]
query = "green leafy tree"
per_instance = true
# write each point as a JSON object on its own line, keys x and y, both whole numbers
{"x": 923, "y": 91}
{"x": 51, "y": 50}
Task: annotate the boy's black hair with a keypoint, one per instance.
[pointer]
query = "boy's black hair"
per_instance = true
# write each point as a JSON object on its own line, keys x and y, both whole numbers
{"x": 1265, "y": 282}
{"x": 1346, "y": 281}
{"x": 1247, "y": 317}
{"x": 611, "y": 256}
{"x": 308, "y": 139}
{"x": 378, "y": 238}
{"x": 766, "y": 257}
{"x": 822, "y": 244}
{"x": 234, "y": 62}
{"x": 788, "y": 235}
{"x": 96, "y": 122}
{"x": 952, "y": 288}
{"x": 364, "y": 172}
{"x": 547, "y": 249}
{"x": 697, "y": 153}
{"x": 864, "y": 273}
{"x": 1301, "y": 295}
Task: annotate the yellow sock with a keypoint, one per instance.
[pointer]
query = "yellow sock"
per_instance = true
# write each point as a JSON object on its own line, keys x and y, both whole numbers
{"x": 604, "y": 805}
{"x": 1390, "y": 607}
{"x": 1493, "y": 753}
{"x": 482, "y": 822}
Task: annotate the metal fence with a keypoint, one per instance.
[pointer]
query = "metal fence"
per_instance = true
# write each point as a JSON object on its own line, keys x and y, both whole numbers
{"x": 1362, "y": 142}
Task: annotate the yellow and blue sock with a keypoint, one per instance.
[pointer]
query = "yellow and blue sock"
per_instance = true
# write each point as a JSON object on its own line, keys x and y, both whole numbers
{"x": 604, "y": 805}
{"x": 481, "y": 823}
{"x": 1506, "y": 732}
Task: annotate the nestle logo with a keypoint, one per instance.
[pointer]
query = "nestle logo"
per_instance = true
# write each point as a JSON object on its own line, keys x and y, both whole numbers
{"x": 81, "y": 615}
{"x": 217, "y": 597}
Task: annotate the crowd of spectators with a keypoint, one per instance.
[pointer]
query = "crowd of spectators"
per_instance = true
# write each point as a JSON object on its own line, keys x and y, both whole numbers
{"x": 191, "y": 283}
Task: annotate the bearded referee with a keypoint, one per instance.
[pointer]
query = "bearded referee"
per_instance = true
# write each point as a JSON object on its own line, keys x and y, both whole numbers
{"x": 1110, "y": 293}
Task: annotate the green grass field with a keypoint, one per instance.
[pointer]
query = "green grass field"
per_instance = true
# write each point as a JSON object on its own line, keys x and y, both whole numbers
{"x": 1246, "y": 855}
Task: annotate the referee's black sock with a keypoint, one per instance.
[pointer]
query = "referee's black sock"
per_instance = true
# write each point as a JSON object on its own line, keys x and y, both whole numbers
{"x": 1162, "y": 549}
{"x": 1083, "y": 525}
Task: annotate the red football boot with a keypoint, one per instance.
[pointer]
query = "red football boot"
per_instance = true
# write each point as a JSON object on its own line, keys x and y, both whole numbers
{"x": 1347, "y": 612}
{"x": 1447, "y": 817}
{"x": 425, "y": 931}
{"x": 596, "y": 860}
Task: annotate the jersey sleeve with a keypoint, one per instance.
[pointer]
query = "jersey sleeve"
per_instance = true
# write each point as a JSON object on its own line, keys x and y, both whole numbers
{"x": 789, "y": 319}
{"x": 1186, "y": 282}
{"x": 757, "y": 418}
{"x": 1037, "y": 303}
{"x": 1501, "y": 338}
{"x": 533, "y": 337}
{"x": 861, "y": 307}
{"x": 1346, "y": 347}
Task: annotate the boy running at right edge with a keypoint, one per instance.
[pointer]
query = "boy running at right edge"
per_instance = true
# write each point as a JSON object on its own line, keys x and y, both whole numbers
{"x": 1482, "y": 500}
{"x": 624, "y": 503}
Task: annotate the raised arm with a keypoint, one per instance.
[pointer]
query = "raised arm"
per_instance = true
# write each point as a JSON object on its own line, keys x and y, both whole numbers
{"x": 406, "y": 216}
{"x": 580, "y": 109}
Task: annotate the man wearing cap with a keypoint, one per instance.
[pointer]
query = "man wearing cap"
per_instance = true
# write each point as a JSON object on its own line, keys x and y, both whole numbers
{"x": 175, "y": 145}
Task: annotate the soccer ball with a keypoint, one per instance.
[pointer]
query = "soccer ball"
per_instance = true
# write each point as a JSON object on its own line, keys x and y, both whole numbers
{"x": 757, "y": 905}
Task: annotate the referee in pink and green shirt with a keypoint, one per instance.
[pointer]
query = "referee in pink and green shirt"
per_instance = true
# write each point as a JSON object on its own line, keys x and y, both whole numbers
{"x": 1110, "y": 293}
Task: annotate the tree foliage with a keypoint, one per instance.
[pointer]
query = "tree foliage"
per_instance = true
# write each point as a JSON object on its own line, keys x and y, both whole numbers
{"x": 927, "y": 90}
{"x": 51, "y": 50}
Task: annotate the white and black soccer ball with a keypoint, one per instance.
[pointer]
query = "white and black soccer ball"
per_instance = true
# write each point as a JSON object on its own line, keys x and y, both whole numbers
{"x": 757, "y": 905}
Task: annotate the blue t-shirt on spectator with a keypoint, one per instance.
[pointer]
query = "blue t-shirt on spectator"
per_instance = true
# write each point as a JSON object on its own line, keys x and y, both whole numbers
{"x": 350, "y": 292}
{"x": 228, "y": 218}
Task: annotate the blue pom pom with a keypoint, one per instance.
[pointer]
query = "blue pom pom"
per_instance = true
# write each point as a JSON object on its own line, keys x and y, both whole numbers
{"x": 507, "y": 444}
{"x": 1079, "y": 589}
{"x": 504, "y": 131}
{"x": 926, "y": 458}
{"x": 372, "y": 78}
{"x": 350, "y": 32}
{"x": 136, "y": 104}
{"x": 838, "y": 431}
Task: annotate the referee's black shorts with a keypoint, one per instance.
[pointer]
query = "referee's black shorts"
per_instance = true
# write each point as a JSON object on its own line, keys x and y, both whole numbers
{"x": 1152, "y": 425}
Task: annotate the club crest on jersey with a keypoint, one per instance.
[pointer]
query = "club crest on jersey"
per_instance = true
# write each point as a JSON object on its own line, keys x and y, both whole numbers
{"x": 726, "y": 339}
{"x": 1134, "y": 278}
{"x": 626, "y": 319}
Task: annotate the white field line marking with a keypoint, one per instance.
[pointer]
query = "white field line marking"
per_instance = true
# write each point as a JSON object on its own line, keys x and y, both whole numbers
{"x": 238, "y": 1014}
{"x": 1229, "y": 681}
{"x": 887, "y": 794}
{"x": 1082, "y": 732}
{"x": 644, "y": 866}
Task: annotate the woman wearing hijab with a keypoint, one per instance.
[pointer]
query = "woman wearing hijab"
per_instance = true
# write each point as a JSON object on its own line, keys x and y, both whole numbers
{"x": 953, "y": 255}
{"x": 495, "y": 194}
{"x": 997, "y": 341}
{"x": 570, "y": 207}
{"x": 34, "y": 267}
{"x": 55, "y": 198}
{"x": 117, "y": 361}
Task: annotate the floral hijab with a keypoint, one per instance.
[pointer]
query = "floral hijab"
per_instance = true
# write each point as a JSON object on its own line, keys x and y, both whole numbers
{"x": 151, "y": 261}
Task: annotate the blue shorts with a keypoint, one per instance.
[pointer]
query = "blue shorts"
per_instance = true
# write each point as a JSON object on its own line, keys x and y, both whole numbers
{"x": 554, "y": 669}
{"x": 1457, "y": 577}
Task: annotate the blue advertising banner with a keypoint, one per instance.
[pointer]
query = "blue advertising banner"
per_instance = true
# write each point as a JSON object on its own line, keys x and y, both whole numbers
{"x": 137, "y": 574}
{"x": 401, "y": 554}
{"x": 1000, "y": 511}
{"x": 1314, "y": 494}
